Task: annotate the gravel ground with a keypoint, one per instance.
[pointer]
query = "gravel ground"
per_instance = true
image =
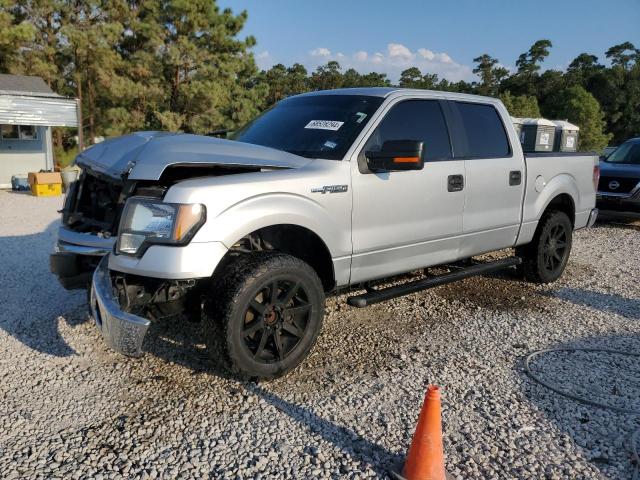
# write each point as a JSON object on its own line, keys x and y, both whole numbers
{"x": 73, "y": 409}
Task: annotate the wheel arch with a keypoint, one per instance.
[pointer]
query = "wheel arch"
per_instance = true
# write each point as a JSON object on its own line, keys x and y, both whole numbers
{"x": 292, "y": 239}
{"x": 562, "y": 202}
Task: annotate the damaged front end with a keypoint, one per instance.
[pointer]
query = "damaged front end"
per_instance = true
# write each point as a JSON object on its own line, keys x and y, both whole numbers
{"x": 123, "y": 306}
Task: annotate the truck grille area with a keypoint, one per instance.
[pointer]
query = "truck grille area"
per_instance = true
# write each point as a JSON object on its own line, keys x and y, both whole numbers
{"x": 93, "y": 205}
{"x": 617, "y": 185}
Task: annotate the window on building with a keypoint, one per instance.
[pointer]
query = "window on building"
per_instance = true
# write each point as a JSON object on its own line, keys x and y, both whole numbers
{"x": 18, "y": 132}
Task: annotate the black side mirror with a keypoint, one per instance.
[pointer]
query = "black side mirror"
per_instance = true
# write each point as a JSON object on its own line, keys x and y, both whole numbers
{"x": 397, "y": 155}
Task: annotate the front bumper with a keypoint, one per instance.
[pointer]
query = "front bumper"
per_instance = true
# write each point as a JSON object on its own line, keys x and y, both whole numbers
{"x": 122, "y": 331}
{"x": 76, "y": 256}
{"x": 629, "y": 202}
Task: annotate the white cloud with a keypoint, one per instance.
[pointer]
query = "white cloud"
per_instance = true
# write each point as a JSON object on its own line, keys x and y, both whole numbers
{"x": 377, "y": 58}
{"x": 397, "y": 50}
{"x": 320, "y": 52}
{"x": 426, "y": 53}
{"x": 264, "y": 60}
{"x": 360, "y": 56}
{"x": 396, "y": 58}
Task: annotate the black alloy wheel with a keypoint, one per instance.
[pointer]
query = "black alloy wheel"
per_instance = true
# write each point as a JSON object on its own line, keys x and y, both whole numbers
{"x": 276, "y": 320}
{"x": 265, "y": 314}
{"x": 555, "y": 247}
{"x": 545, "y": 258}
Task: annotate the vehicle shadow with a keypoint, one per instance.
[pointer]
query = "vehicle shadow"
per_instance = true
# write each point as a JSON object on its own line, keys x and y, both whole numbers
{"x": 627, "y": 221}
{"x": 603, "y": 435}
{"x": 605, "y": 302}
{"x": 381, "y": 460}
{"x": 31, "y": 299}
{"x": 180, "y": 343}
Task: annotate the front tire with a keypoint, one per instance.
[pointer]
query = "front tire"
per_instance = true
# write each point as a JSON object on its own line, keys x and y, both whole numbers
{"x": 265, "y": 315}
{"x": 545, "y": 258}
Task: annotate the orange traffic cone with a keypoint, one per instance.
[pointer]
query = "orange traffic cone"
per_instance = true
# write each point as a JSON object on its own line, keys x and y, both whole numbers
{"x": 425, "y": 460}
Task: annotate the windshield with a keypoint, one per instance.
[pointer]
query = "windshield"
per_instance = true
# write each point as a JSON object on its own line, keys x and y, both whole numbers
{"x": 314, "y": 126}
{"x": 628, "y": 152}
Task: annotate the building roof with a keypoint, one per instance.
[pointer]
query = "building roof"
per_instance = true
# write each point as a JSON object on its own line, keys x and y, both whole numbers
{"x": 25, "y": 85}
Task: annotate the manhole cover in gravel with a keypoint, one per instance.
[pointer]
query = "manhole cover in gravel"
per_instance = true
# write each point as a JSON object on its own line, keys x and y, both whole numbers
{"x": 605, "y": 378}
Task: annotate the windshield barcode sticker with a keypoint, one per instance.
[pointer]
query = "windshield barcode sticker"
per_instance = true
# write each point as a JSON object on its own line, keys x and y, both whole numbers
{"x": 324, "y": 124}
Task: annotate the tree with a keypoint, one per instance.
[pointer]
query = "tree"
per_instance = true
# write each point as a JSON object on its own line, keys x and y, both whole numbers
{"x": 623, "y": 54}
{"x": 374, "y": 79}
{"x": 184, "y": 68}
{"x": 410, "y": 78}
{"x": 529, "y": 63}
{"x": 87, "y": 46}
{"x": 326, "y": 77}
{"x": 413, "y": 78}
{"x": 489, "y": 74}
{"x": 522, "y": 106}
{"x": 581, "y": 108}
{"x": 284, "y": 82}
{"x": 15, "y": 31}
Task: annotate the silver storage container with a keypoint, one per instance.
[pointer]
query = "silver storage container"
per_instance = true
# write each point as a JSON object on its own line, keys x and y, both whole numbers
{"x": 566, "y": 136}
{"x": 538, "y": 135}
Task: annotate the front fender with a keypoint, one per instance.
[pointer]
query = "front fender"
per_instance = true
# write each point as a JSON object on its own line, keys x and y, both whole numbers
{"x": 269, "y": 209}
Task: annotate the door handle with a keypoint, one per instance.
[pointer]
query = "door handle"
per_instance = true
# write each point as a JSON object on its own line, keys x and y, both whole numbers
{"x": 515, "y": 177}
{"x": 455, "y": 183}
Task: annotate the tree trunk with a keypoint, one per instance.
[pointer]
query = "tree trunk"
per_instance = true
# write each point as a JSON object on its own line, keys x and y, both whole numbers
{"x": 91, "y": 100}
{"x": 80, "y": 119}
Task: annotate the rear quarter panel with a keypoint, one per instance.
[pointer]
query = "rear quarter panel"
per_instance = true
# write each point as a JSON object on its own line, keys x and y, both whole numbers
{"x": 550, "y": 175}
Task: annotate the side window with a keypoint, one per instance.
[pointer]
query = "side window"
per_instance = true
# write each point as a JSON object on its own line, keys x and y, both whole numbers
{"x": 484, "y": 131}
{"x": 414, "y": 120}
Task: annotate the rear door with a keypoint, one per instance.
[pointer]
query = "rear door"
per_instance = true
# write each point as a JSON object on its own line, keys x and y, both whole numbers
{"x": 494, "y": 177}
{"x": 409, "y": 219}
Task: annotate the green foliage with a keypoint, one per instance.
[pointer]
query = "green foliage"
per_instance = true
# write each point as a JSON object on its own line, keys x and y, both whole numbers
{"x": 522, "y": 106}
{"x": 15, "y": 32}
{"x": 490, "y": 73}
{"x": 623, "y": 54}
{"x": 581, "y": 108}
{"x": 64, "y": 158}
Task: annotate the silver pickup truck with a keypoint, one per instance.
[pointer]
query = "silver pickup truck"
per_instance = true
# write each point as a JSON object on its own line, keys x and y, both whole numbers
{"x": 323, "y": 192}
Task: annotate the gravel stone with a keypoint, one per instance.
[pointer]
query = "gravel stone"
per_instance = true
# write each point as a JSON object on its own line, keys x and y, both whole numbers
{"x": 71, "y": 408}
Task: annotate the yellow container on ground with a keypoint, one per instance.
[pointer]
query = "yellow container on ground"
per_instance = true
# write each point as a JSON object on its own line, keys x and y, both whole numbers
{"x": 46, "y": 189}
{"x": 45, "y": 184}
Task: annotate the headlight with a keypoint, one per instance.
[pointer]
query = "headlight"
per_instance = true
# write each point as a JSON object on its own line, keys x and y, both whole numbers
{"x": 148, "y": 221}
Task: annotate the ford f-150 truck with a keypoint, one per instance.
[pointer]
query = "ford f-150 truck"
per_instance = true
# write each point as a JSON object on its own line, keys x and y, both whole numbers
{"x": 323, "y": 192}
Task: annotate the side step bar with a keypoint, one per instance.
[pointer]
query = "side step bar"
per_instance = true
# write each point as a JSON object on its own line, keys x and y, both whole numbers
{"x": 380, "y": 295}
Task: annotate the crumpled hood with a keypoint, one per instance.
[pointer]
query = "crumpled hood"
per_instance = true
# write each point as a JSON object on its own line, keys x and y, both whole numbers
{"x": 145, "y": 155}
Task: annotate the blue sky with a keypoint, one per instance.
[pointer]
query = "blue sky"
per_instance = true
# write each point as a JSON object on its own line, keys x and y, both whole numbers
{"x": 440, "y": 37}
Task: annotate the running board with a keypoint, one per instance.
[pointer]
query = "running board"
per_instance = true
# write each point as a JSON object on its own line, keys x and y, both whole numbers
{"x": 380, "y": 295}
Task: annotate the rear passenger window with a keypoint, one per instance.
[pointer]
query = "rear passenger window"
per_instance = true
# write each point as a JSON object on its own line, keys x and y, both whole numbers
{"x": 484, "y": 131}
{"x": 414, "y": 120}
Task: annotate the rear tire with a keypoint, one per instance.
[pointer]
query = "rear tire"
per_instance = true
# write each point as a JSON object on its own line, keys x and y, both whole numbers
{"x": 265, "y": 314}
{"x": 545, "y": 258}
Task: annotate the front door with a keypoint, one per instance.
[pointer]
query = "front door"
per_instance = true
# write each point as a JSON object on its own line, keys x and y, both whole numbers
{"x": 410, "y": 219}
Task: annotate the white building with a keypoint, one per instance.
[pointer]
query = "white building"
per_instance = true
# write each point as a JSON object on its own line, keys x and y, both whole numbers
{"x": 28, "y": 110}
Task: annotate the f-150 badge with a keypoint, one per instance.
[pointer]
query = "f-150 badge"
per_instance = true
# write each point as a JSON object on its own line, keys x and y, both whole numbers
{"x": 330, "y": 189}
